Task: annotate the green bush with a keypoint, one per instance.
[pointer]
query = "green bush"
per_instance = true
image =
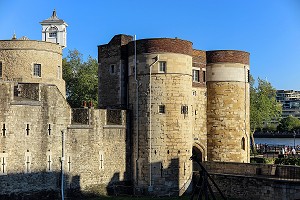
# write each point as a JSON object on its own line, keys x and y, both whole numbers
{"x": 287, "y": 161}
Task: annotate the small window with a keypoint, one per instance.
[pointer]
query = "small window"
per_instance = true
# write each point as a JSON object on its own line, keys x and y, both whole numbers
{"x": 184, "y": 109}
{"x": 195, "y": 75}
{"x": 248, "y": 76}
{"x": 243, "y": 145}
{"x": 204, "y": 76}
{"x": 0, "y": 69}
{"x": 162, "y": 66}
{"x": 161, "y": 109}
{"x": 112, "y": 69}
{"x": 194, "y": 93}
{"x": 58, "y": 72}
{"x": 37, "y": 70}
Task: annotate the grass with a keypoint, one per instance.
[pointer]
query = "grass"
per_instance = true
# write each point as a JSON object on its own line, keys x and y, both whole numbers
{"x": 141, "y": 198}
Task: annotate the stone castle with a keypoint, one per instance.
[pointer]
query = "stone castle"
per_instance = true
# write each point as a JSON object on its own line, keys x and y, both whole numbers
{"x": 160, "y": 101}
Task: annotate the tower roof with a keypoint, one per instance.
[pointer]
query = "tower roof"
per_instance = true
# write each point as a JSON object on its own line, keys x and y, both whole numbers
{"x": 53, "y": 19}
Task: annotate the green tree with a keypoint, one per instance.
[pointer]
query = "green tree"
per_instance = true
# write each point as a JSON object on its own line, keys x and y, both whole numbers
{"x": 263, "y": 105}
{"x": 81, "y": 79}
{"x": 289, "y": 123}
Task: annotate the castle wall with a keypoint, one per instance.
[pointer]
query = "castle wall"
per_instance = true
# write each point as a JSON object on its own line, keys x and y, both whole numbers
{"x": 31, "y": 145}
{"x": 19, "y": 56}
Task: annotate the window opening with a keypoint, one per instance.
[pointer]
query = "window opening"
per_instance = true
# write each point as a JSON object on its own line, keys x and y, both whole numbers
{"x": 0, "y": 69}
{"x": 243, "y": 145}
{"x": 49, "y": 129}
{"x": 69, "y": 163}
{"x": 3, "y": 165}
{"x": 3, "y": 130}
{"x": 204, "y": 76}
{"x": 37, "y": 70}
{"x": 112, "y": 69}
{"x": 195, "y": 75}
{"x": 161, "y": 108}
{"x": 162, "y": 66}
{"x": 27, "y": 129}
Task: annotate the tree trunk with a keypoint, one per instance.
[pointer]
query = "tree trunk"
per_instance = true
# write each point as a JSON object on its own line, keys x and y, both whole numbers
{"x": 253, "y": 147}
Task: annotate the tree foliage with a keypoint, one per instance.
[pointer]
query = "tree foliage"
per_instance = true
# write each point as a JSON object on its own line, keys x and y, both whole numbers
{"x": 289, "y": 123}
{"x": 81, "y": 79}
{"x": 263, "y": 105}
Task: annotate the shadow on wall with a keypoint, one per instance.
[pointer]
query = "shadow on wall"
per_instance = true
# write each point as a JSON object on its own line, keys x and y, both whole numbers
{"x": 37, "y": 186}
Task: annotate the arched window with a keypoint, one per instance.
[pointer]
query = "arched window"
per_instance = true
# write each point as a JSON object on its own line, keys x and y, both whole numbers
{"x": 243, "y": 144}
{"x": 53, "y": 32}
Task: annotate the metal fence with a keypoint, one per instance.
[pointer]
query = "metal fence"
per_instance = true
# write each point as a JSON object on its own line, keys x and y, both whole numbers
{"x": 81, "y": 116}
{"x": 114, "y": 117}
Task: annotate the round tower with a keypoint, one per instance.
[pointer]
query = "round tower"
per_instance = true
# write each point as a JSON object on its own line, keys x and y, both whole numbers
{"x": 160, "y": 93}
{"x": 228, "y": 104}
{"x": 31, "y": 61}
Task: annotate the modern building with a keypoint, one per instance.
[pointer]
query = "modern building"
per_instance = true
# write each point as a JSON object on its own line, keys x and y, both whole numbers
{"x": 290, "y": 100}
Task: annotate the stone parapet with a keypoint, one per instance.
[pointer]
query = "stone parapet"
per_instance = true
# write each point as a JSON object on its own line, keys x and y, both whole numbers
{"x": 231, "y": 56}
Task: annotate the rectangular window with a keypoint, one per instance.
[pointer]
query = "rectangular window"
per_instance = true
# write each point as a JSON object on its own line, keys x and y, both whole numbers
{"x": 184, "y": 109}
{"x": 0, "y": 69}
{"x": 162, "y": 66}
{"x": 161, "y": 109}
{"x": 196, "y": 75}
{"x": 37, "y": 70}
{"x": 204, "y": 76}
{"x": 53, "y": 34}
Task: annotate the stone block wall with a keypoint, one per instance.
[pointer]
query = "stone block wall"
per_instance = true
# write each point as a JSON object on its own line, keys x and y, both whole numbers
{"x": 31, "y": 146}
{"x": 19, "y": 56}
{"x": 255, "y": 181}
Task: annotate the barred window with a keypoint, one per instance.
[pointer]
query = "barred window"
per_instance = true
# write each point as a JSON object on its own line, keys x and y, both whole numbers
{"x": 53, "y": 32}
{"x": 37, "y": 70}
{"x": 184, "y": 109}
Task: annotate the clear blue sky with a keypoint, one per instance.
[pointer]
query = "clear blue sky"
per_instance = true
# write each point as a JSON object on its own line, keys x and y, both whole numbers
{"x": 268, "y": 29}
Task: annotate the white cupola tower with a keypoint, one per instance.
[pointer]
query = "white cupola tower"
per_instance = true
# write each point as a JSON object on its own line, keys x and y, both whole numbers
{"x": 54, "y": 30}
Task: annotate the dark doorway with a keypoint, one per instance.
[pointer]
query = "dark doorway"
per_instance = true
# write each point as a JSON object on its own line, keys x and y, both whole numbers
{"x": 198, "y": 153}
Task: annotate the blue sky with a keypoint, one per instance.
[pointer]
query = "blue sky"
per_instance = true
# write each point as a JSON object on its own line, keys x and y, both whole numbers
{"x": 268, "y": 29}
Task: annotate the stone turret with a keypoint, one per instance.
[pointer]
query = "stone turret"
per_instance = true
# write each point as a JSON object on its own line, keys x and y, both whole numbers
{"x": 228, "y": 106}
{"x": 54, "y": 30}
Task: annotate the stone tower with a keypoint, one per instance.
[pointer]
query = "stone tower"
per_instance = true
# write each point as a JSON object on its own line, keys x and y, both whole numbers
{"x": 54, "y": 30}
{"x": 180, "y": 101}
{"x": 228, "y": 106}
{"x": 161, "y": 95}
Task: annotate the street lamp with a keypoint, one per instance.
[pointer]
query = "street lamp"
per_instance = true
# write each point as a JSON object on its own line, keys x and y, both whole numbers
{"x": 294, "y": 139}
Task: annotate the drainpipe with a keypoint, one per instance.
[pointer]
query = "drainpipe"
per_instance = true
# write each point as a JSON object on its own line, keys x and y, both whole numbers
{"x": 62, "y": 164}
{"x": 150, "y": 123}
{"x": 137, "y": 112}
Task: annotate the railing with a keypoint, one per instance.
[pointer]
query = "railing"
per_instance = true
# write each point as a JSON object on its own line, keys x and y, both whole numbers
{"x": 114, "y": 117}
{"x": 80, "y": 116}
